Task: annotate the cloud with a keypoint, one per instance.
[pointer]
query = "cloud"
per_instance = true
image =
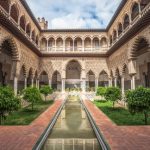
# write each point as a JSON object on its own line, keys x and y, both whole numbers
{"x": 75, "y": 13}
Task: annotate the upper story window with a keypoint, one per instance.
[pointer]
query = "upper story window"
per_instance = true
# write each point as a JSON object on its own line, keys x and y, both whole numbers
{"x": 96, "y": 42}
{"x": 33, "y": 35}
{"x": 43, "y": 44}
{"x": 59, "y": 42}
{"x": 114, "y": 35}
{"x": 135, "y": 11}
{"x": 37, "y": 40}
{"x": 143, "y": 3}
{"x": 23, "y": 22}
{"x": 28, "y": 29}
{"x": 87, "y": 42}
{"x": 103, "y": 42}
{"x": 14, "y": 13}
{"x": 51, "y": 42}
{"x": 78, "y": 42}
{"x": 126, "y": 21}
{"x": 5, "y": 4}
{"x": 110, "y": 39}
{"x": 120, "y": 29}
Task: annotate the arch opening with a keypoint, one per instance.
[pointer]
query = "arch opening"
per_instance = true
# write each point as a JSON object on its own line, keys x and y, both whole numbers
{"x": 69, "y": 44}
{"x": 51, "y": 44}
{"x": 21, "y": 79}
{"x": 103, "y": 79}
{"x": 78, "y": 44}
{"x": 44, "y": 78}
{"x": 5, "y": 4}
{"x": 118, "y": 78}
{"x": 8, "y": 58}
{"x": 90, "y": 81}
{"x": 143, "y": 4}
{"x": 103, "y": 42}
{"x": 73, "y": 74}
{"x": 43, "y": 44}
{"x": 30, "y": 77}
{"x": 141, "y": 54}
{"x": 135, "y": 11}
{"x": 87, "y": 44}
{"x": 23, "y": 22}
{"x": 120, "y": 30}
{"x": 14, "y": 13}
{"x": 56, "y": 81}
{"x": 59, "y": 44}
{"x": 28, "y": 29}
{"x": 126, "y": 21}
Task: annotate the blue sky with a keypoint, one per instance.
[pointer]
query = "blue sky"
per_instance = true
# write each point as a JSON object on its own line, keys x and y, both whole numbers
{"x": 75, "y": 13}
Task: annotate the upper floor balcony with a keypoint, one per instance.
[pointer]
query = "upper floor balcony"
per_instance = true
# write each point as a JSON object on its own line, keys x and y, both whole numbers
{"x": 72, "y": 45}
{"x": 18, "y": 18}
{"x": 130, "y": 18}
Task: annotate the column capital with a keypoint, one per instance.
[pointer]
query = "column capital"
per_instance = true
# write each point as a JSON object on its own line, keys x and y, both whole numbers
{"x": 132, "y": 74}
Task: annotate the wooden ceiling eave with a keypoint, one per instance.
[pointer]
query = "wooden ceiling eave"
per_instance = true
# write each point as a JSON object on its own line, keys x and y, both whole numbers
{"x": 133, "y": 31}
{"x": 12, "y": 28}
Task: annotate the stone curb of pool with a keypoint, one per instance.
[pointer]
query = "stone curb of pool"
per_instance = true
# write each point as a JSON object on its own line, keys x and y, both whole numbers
{"x": 102, "y": 141}
{"x": 50, "y": 126}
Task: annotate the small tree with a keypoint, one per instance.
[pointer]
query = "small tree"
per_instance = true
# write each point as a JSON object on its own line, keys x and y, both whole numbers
{"x": 101, "y": 91}
{"x": 8, "y": 102}
{"x": 32, "y": 95}
{"x": 138, "y": 101}
{"x": 45, "y": 90}
{"x": 113, "y": 94}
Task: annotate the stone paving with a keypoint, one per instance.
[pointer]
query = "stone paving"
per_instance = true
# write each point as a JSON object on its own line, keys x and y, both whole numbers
{"x": 25, "y": 137}
{"x": 120, "y": 137}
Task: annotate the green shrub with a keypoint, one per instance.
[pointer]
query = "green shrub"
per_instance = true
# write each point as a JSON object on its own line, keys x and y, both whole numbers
{"x": 101, "y": 91}
{"x": 8, "y": 102}
{"x": 32, "y": 95}
{"x": 113, "y": 94}
{"x": 46, "y": 90}
{"x": 138, "y": 101}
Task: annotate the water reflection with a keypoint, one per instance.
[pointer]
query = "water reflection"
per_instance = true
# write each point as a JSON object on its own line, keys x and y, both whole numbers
{"x": 72, "y": 130}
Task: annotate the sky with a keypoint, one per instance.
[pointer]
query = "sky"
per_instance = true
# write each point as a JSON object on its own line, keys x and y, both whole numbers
{"x": 74, "y": 14}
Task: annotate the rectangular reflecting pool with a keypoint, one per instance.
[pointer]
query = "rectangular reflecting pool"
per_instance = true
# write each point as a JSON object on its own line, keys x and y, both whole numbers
{"x": 72, "y": 130}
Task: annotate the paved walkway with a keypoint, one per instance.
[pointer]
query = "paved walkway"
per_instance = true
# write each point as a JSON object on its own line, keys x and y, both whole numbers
{"x": 25, "y": 137}
{"x": 120, "y": 137}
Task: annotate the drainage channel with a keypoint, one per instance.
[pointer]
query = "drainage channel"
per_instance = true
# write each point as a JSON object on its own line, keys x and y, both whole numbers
{"x": 72, "y": 128}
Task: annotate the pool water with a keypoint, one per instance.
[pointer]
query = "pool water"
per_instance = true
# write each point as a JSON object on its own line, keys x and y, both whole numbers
{"x": 72, "y": 130}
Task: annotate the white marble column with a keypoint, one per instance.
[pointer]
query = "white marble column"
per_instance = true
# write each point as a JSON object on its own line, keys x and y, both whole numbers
{"x": 47, "y": 45}
{"x": 83, "y": 45}
{"x": 110, "y": 82}
{"x": 73, "y": 46}
{"x": 63, "y": 85}
{"x": 55, "y": 44}
{"x": 133, "y": 82}
{"x": 50, "y": 83}
{"x": 122, "y": 85}
{"x": 91, "y": 44}
{"x": 32, "y": 82}
{"x": 83, "y": 85}
{"x": 25, "y": 83}
{"x": 64, "y": 45}
{"x": 96, "y": 84}
{"x": 15, "y": 85}
{"x": 38, "y": 83}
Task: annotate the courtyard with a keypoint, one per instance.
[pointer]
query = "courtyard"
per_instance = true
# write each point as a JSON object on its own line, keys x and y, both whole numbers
{"x": 71, "y": 88}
